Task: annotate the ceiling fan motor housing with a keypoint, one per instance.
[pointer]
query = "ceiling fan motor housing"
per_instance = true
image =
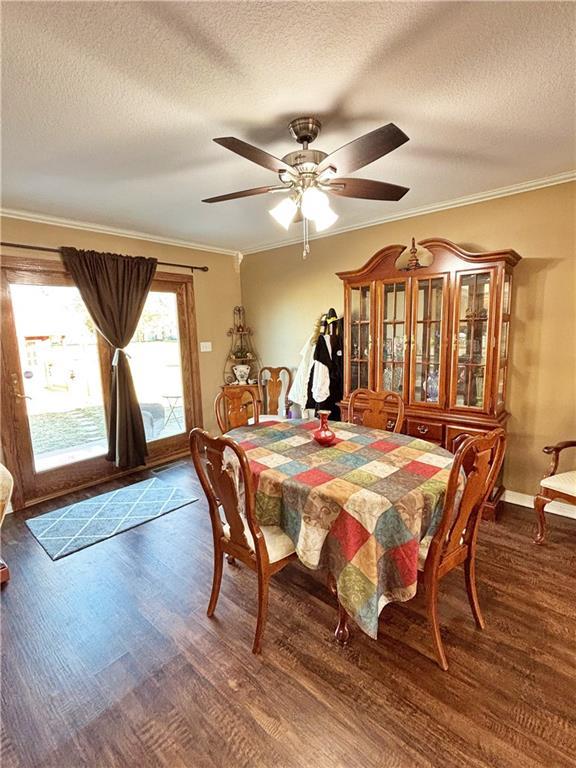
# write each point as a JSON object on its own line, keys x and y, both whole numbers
{"x": 305, "y": 129}
{"x": 304, "y": 160}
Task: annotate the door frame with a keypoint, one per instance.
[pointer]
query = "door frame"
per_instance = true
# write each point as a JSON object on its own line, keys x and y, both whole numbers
{"x": 31, "y": 487}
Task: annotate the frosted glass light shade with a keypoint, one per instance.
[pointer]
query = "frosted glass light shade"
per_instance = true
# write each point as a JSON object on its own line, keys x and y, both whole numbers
{"x": 284, "y": 212}
{"x": 314, "y": 202}
{"x": 325, "y": 219}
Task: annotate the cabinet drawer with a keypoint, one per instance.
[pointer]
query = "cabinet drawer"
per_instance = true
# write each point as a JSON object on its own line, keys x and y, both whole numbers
{"x": 452, "y": 432}
{"x": 427, "y": 430}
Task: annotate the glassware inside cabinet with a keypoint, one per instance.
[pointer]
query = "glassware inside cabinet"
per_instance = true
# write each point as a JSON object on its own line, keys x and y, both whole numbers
{"x": 472, "y": 339}
{"x": 393, "y": 350}
{"x": 359, "y": 336}
{"x": 427, "y": 358}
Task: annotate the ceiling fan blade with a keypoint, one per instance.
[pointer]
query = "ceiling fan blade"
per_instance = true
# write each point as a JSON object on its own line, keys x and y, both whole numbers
{"x": 258, "y": 156}
{"x": 365, "y": 149}
{"x": 366, "y": 189}
{"x": 243, "y": 193}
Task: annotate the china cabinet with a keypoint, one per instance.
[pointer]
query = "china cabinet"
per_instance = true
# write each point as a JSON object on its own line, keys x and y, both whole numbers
{"x": 437, "y": 334}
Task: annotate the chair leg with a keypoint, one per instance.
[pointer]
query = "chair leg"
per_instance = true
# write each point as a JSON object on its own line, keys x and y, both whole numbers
{"x": 216, "y": 581}
{"x": 432, "y": 612}
{"x": 263, "y": 582}
{"x": 539, "y": 504}
{"x": 470, "y": 576}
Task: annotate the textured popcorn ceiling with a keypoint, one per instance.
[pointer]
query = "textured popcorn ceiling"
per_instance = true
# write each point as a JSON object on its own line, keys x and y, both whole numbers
{"x": 109, "y": 108}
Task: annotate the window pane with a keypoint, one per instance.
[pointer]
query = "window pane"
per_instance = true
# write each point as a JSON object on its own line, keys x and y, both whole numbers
{"x": 156, "y": 366}
{"x": 58, "y": 351}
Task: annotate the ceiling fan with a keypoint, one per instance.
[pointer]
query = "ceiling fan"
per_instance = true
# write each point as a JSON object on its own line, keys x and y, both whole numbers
{"x": 308, "y": 174}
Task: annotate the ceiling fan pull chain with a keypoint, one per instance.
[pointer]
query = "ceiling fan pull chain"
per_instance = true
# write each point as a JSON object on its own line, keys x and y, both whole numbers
{"x": 306, "y": 249}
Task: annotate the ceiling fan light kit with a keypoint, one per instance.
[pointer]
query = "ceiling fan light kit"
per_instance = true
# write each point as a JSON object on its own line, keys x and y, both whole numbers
{"x": 307, "y": 175}
{"x": 284, "y": 212}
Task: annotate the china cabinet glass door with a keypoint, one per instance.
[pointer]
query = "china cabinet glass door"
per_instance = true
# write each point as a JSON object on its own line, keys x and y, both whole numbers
{"x": 504, "y": 341}
{"x": 359, "y": 335}
{"x": 428, "y": 329}
{"x": 471, "y": 339}
{"x": 394, "y": 336}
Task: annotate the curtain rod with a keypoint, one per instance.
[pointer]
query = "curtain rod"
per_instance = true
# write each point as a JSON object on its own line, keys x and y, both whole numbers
{"x": 57, "y": 250}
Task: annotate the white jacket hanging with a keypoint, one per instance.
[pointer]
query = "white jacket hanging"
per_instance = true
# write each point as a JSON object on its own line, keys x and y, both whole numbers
{"x": 298, "y": 392}
{"x": 321, "y": 377}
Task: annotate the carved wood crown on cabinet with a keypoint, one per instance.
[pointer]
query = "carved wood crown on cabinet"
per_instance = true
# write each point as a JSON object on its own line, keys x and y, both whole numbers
{"x": 437, "y": 335}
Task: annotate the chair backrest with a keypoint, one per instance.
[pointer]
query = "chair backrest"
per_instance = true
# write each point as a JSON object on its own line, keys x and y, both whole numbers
{"x": 6, "y": 488}
{"x": 224, "y": 473}
{"x": 381, "y": 410}
{"x": 231, "y": 407}
{"x": 272, "y": 381}
{"x": 480, "y": 459}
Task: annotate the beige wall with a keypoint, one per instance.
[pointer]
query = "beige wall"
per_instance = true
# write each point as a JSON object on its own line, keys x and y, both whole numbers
{"x": 284, "y": 296}
{"x": 216, "y": 291}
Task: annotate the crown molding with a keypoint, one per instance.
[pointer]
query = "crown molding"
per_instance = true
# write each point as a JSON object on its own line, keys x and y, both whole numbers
{"x": 527, "y": 186}
{"x": 515, "y": 189}
{"x": 40, "y": 218}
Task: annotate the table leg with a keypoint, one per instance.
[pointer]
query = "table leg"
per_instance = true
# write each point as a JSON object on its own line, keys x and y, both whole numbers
{"x": 342, "y": 632}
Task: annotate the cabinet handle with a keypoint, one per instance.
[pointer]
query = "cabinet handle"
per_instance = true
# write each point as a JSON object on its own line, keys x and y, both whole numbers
{"x": 422, "y": 428}
{"x": 390, "y": 424}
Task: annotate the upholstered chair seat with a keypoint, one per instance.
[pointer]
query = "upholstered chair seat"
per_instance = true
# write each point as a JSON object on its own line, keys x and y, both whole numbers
{"x": 555, "y": 486}
{"x": 278, "y": 544}
{"x": 565, "y": 482}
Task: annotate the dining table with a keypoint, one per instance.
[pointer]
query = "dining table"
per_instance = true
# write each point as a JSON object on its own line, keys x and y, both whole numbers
{"x": 362, "y": 508}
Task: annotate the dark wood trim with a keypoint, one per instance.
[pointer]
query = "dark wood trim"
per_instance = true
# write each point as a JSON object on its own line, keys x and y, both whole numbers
{"x": 439, "y": 243}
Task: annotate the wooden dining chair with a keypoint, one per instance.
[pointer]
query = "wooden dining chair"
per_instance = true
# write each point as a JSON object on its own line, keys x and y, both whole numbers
{"x": 454, "y": 543}
{"x": 554, "y": 487}
{"x": 273, "y": 382}
{"x": 232, "y": 408}
{"x": 380, "y": 410}
{"x": 6, "y": 488}
{"x": 225, "y": 476}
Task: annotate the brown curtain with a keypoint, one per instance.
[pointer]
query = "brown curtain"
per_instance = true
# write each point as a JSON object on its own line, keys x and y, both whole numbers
{"x": 114, "y": 289}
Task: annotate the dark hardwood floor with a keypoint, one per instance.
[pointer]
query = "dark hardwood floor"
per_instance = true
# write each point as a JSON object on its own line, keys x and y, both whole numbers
{"x": 108, "y": 659}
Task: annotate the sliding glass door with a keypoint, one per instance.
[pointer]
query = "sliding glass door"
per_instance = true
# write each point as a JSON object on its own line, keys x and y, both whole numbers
{"x": 61, "y": 388}
{"x": 56, "y": 370}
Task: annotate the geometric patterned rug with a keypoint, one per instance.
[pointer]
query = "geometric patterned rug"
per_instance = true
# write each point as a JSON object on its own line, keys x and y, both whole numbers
{"x": 79, "y": 525}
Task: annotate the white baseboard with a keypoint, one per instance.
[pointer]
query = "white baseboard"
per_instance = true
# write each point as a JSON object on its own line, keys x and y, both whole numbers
{"x": 524, "y": 500}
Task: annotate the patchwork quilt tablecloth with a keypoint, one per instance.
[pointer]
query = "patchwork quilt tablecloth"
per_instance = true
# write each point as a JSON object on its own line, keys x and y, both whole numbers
{"x": 359, "y": 508}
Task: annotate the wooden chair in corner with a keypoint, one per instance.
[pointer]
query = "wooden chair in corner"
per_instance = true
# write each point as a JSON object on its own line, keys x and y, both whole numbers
{"x": 554, "y": 487}
{"x": 273, "y": 382}
{"x": 454, "y": 543}
{"x": 227, "y": 483}
{"x": 380, "y": 410}
{"x": 232, "y": 408}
